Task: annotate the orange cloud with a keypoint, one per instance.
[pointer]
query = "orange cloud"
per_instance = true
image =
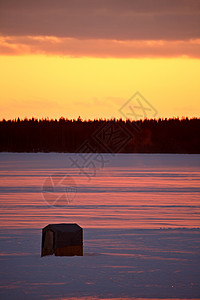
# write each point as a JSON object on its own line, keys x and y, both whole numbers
{"x": 50, "y": 45}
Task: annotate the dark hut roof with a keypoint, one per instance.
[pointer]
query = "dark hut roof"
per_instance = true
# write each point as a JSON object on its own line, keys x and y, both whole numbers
{"x": 63, "y": 227}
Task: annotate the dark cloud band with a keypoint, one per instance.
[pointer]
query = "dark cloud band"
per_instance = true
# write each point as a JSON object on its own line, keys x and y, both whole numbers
{"x": 105, "y": 19}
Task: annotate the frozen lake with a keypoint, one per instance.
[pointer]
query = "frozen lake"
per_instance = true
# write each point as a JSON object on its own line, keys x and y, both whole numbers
{"x": 140, "y": 214}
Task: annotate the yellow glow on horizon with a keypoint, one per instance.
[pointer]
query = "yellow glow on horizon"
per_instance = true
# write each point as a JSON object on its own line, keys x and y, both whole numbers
{"x": 53, "y": 86}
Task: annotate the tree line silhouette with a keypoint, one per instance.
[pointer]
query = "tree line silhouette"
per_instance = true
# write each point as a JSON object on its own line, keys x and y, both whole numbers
{"x": 63, "y": 135}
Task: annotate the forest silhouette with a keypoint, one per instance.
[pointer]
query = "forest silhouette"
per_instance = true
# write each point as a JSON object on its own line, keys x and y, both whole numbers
{"x": 63, "y": 135}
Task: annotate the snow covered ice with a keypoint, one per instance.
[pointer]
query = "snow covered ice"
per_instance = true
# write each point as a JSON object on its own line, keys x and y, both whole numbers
{"x": 139, "y": 213}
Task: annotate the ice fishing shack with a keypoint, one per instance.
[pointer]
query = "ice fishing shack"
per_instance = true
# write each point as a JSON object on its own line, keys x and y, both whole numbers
{"x": 62, "y": 240}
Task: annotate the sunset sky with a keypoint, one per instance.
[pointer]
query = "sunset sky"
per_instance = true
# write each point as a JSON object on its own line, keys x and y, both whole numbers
{"x": 87, "y": 58}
